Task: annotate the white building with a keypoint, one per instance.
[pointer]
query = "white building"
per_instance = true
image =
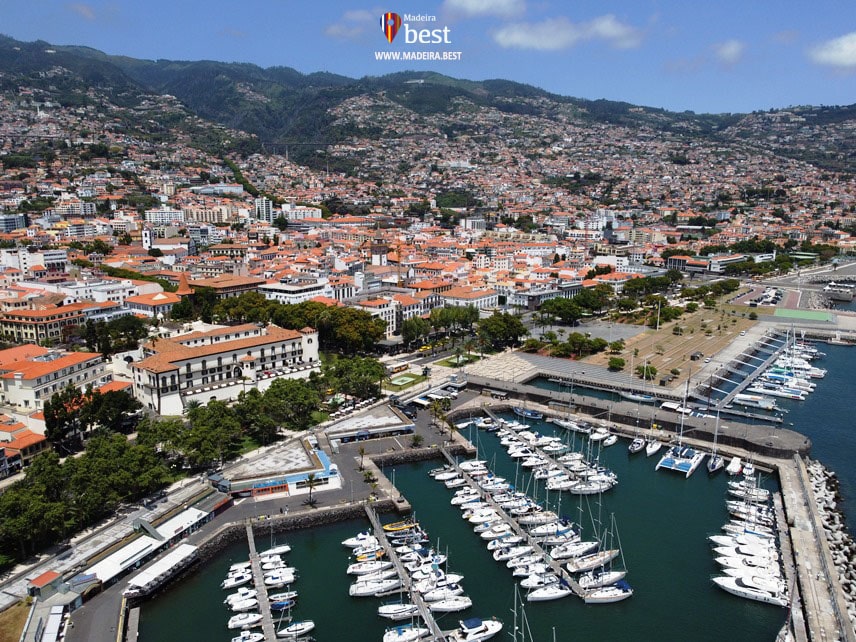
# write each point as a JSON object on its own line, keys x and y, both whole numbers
{"x": 297, "y": 290}
{"x": 220, "y": 364}
{"x": 164, "y": 216}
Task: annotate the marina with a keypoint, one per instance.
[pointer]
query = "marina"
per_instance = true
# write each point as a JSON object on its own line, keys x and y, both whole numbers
{"x": 642, "y": 499}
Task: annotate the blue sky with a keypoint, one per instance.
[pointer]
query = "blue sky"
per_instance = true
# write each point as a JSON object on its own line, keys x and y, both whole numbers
{"x": 722, "y": 56}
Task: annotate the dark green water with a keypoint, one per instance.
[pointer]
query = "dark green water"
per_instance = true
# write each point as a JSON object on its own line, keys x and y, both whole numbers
{"x": 663, "y": 520}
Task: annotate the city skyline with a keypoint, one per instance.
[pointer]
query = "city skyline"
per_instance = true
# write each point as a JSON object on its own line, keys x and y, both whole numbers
{"x": 704, "y": 58}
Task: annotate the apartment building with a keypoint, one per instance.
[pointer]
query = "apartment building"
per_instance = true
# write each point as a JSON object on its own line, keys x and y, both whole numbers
{"x": 30, "y": 374}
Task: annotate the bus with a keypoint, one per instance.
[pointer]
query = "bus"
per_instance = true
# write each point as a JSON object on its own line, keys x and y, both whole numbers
{"x": 394, "y": 367}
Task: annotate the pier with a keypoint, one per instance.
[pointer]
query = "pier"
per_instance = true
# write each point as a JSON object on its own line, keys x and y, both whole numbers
{"x": 555, "y": 566}
{"x": 749, "y": 380}
{"x": 259, "y": 580}
{"x": 424, "y": 611}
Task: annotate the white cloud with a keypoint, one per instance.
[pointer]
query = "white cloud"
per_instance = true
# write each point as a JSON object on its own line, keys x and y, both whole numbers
{"x": 729, "y": 52}
{"x": 471, "y": 8}
{"x": 617, "y": 34}
{"x": 85, "y": 11}
{"x": 838, "y": 52}
{"x": 561, "y": 33}
{"x": 353, "y": 24}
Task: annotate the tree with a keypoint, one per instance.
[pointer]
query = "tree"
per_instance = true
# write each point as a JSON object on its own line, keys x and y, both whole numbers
{"x": 62, "y": 417}
{"x": 362, "y": 452}
{"x": 616, "y": 346}
{"x": 311, "y": 482}
{"x": 501, "y": 329}
{"x": 416, "y": 441}
{"x": 291, "y": 403}
{"x": 616, "y": 363}
{"x": 566, "y": 310}
{"x": 414, "y": 329}
{"x": 646, "y": 372}
{"x": 213, "y": 435}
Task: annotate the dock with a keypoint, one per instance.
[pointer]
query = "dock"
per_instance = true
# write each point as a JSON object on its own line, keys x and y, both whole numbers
{"x": 555, "y": 566}
{"x": 749, "y": 380}
{"x": 424, "y": 611}
{"x": 259, "y": 580}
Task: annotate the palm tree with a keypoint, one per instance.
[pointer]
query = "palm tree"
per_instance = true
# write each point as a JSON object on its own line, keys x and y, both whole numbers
{"x": 362, "y": 454}
{"x": 192, "y": 405}
{"x": 311, "y": 481}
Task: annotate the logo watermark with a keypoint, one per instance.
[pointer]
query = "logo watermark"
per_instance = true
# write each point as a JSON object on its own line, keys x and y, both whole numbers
{"x": 414, "y": 32}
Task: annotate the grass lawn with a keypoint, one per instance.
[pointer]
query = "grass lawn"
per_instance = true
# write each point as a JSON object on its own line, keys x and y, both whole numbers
{"x": 12, "y": 622}
{"x": 457, "y": 362}
{"x": 412, "y": 380}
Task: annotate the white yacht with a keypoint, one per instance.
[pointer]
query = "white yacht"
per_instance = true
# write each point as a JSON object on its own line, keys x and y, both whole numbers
{"x": 244, "y": 620}
{"x": 754, "y": 588}
{"x": 249, "y": 636}
{"x": 474, "y": 630}
{"x": 652, "y": 446}
{"x": 281, "y": 549}
{"x": 549, "y": 592}
{"x": 597, "y": 578}
{"x": 373, "y": 587}
{"x": 296, "y": 629}
{"x": 239, "y": 579}
{"x": 451, "y": 604}
{"x": 398, "y": 610}
{"x": 405, "y": 633}
{"x": 592, "y": 560}
{"x": 621, "y": 590}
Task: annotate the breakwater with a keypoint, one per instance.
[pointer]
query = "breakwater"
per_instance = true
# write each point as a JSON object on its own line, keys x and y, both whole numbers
{"x": 824, "y": 486}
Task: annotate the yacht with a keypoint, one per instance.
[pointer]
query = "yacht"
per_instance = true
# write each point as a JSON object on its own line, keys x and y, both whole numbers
{"x": 537, "y": 580}
{"x": 249, "y": 636}
{"x": 550, "y": 592}
{"x": 397, "y": 610}
{"x": 405, "y": 633}
{"x": 682, "y": 459}
{"x": 636, "y": 445}
{"x": 242, "y": 593}
{"x": 364, "y": 568}
{"x": 247, "y": 604}
{"x": 652, "y": 446}
{"x": 621, "y": 590}
{"x": 360, "y": 540}
{"x": 474, "y": 630}
{"x": 373, "y": 587}
{"x": 754, "y": 588}
{"x": 443, "y": 592}
{"x": 451, "y": 604}
{"x": 716, "y": 461}
{"x": 734, "y": 466}
{"x": 244, "y": 620}
{"x": 282, "y": 549}
{"x": 598, "y": 577}
{"x": 592, "y": 560}
{"x": 234, "y": 581}
{"x": 296, "y": 629}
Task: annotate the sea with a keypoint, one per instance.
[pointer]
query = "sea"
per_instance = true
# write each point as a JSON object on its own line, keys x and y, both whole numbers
{"x": 660, "y": 519}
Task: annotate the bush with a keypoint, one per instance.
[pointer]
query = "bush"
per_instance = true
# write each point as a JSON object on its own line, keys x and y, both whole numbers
{"x": 616, "y": 363}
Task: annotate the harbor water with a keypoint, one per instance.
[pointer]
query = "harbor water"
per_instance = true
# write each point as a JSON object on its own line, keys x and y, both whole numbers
{"x": 662, "y": 522}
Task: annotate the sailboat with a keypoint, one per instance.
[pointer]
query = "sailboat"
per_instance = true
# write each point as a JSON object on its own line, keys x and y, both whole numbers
{"x": 680, "y": 458}
{"x": 716, "y": 461}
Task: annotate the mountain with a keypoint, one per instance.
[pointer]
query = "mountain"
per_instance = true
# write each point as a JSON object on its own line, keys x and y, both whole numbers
{"x": 283, "y": 107}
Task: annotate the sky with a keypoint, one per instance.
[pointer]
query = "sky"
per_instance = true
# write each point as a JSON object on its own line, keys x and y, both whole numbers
{"x": 709, "y": 57}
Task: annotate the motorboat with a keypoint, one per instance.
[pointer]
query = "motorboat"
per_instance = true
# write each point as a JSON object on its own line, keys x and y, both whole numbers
{"x": 456, "y": 482}
{"x": 249, "y": 636}
{"x": 474, "y": 630}
{"x": 538, "y": 580}
{"x": 496, "y": 531}
{"x": 361, "y": 539}
{"x": 742, "y": 539}
{"x": 598, "y": 577}
{"x": 405, "y": 633}
{"x": 537, "y": 517}
{"x": 751, "y": 565}
{"x": 535, "y": 568}
{"x": 451, "y": 604}
{"x": 524, "y": 560}
{"x": 403, "y": 525}
{"x": 621, "y": 590}
{"x": 636, "y": 445}
{"x": 550, "y": 592}
{"x": 526, "y": 413}
{"x": 279, "y": 579}
{"x": 234, "y": 581}
{"x": 508, "y": 539}
{"x": 398, "y": 610}
{"x": 296, "y": 629}
{"x": 240, "y": 567}
{"x": 590, "y": 486}
{"x": 507, "y": 553}
{"x": 373, "y": 587}
{"x": 754, "y": 588}
{"x": 553, "y": 528}
{"x": 443, "y": 592}
{"x": 599, "y": 434}
{"x": 372, "y": 566}
{"x": 244, "y": 620}
{"x": 611, "y": 440}
{"x": 285, "y": 595}
{"x": 243, "y": 593}
{"x": 734, "y": 466}
{"x": 472, "y": 464}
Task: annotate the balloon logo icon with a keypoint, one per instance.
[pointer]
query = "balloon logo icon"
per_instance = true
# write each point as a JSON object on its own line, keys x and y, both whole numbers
{"x": 390, "y": 23}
